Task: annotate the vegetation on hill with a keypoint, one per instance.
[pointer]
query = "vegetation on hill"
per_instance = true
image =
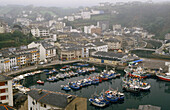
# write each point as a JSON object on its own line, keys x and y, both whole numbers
{"x": 15, "y": 39}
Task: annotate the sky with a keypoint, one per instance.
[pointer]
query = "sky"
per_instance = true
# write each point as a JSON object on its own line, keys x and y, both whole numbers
{"x": 63, "y": 3}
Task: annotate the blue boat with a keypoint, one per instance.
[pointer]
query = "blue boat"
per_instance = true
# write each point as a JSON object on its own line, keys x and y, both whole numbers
{"x": 112, "y": 98}
{"x": 48, "y": 73}
{"x": 66, "y": 87}
{"x": 46, "y": 70}
{"x": 95, "y": 81}
{"x": 99, "y": 101}
{"x": 74, "y": 86}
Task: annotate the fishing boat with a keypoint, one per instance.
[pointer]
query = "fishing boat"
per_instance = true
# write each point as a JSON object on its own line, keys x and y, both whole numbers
{"x": 131, "y": 88}
{"x": 46, "y": 70}
{"x": 65, "y": 87}
{"x": 40, "y": 82}
{"x": 74, "y": 86}
{"x": 95, "y": 81}
{"x": 144, "y": 86}
{"x": 163, "y": 76}
{"x": 111, "y": 97}
{"x": 99, "y": 101}
{"x": 119, "y": 95}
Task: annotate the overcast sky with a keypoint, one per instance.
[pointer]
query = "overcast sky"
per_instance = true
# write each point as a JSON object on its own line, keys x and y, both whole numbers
{"x": 63, "y": 3}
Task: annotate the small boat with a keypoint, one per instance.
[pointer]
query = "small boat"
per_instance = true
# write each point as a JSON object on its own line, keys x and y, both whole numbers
{"x": 66, "y": 87}
{"x": 111, "y": 97}
{"x": 46, "y": 70}
{"x": 74, "y": 86}
{"x": 116, "y": 93}
{"x": 131, "y": 88}
{"x": 164, "y": 76}
{"x": 50, "y": 79}
{"x": 40, "y": 82}
{"x": 99, "y": 101}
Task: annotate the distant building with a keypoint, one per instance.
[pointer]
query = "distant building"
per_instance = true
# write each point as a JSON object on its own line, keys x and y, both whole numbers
{"x": 92, "y": 29}
{"x": 48, "y": 100}
{"x": 113, "y": 43}
{"x": 3, "y": 27}
{"x": 117, "y": 26}
{"x": 86, "y": 14}
{"x": 167, "y": 36}
{"x": 98, "y": 46}
{"x": 104, "y": 25}
{"x": 6, "y": 93}
{"x": 70, "y": 18}
{"x": 40, "y": 32}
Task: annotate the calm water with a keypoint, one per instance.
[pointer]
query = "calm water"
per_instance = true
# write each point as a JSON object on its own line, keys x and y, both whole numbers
{"x": 159, "y": 95}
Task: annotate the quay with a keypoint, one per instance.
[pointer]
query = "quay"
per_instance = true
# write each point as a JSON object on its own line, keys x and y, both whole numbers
{"x": 151, "y": 64}
{"x": 35, "y": 67}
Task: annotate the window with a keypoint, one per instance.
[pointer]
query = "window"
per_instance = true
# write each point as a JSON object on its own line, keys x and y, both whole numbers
{"x": 44, "y": 105}
{"x": 33, "y": 103}
{"x": 3, "y": 97}
{"x": 2, "y": 91}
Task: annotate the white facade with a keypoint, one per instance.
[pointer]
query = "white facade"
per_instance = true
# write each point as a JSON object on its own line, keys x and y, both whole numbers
{"x": 87, "y": 29}
{"x": 70, "y": 18}
{"x": 6, "y": 97}
{"x": 86, "y": 15}
{"x": 13, "y": 62}
{"x": 117, "y": 26}
{"x": 40, "y": 32}
{"x": 35, "y": 105}
{"x": 103, "y": 48}
{"x": 44, "y": 53}
{"x": 4, "y": 65}
{"x": 35, "y": 32}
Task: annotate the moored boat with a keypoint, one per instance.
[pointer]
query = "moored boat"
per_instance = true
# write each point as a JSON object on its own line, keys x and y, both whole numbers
{"x": 40, "y": 82}
{"x": 164, "y": 76}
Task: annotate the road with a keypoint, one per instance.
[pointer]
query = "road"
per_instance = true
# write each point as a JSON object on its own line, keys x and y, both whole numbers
{"x": 30, "y": 68}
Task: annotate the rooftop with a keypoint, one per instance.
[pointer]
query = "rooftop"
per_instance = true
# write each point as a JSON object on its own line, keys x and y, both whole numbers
{"x": 4, "y": 78}
{"x": 52, "y": 98}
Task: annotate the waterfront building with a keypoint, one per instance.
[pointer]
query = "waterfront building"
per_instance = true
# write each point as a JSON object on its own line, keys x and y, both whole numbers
{"x": 48, "y": 100}
{"x": 98, "y": 46}
{"x": 112, "y": 58}
{"x": 47, "y": 52}
{"x": 4, "y": 64}
{"x": 6, "y": 93}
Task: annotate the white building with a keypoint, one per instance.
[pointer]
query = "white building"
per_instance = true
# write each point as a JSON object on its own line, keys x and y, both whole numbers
{"x": 35, "y": 32}
{"x": 47, "y": 51}
{"x": 86, "y": 15}
{"x": 23, "y": 21}
{"x": 87, "y": 29}
{"x": 4, "y": 65}
{"x": 117, "y": 26}
{"x": 6, "y": 93}
{"x": 40, "y": 32}
{"x": 98, "y": 46}
{"x": 70, "y": 18}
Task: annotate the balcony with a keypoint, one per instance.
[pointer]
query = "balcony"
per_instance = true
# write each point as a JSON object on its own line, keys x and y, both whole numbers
{"x": 4, "y": 87}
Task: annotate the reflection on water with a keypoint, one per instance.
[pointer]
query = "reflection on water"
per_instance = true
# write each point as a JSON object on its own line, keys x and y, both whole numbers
{"x": 158, "y": 95}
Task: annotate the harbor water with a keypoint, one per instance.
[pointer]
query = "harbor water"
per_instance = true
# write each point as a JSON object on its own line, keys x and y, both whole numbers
{"x": 159, "y": 94}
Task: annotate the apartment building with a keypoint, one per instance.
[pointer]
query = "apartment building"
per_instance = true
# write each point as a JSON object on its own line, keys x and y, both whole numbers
{"x": 6, "y": 93}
